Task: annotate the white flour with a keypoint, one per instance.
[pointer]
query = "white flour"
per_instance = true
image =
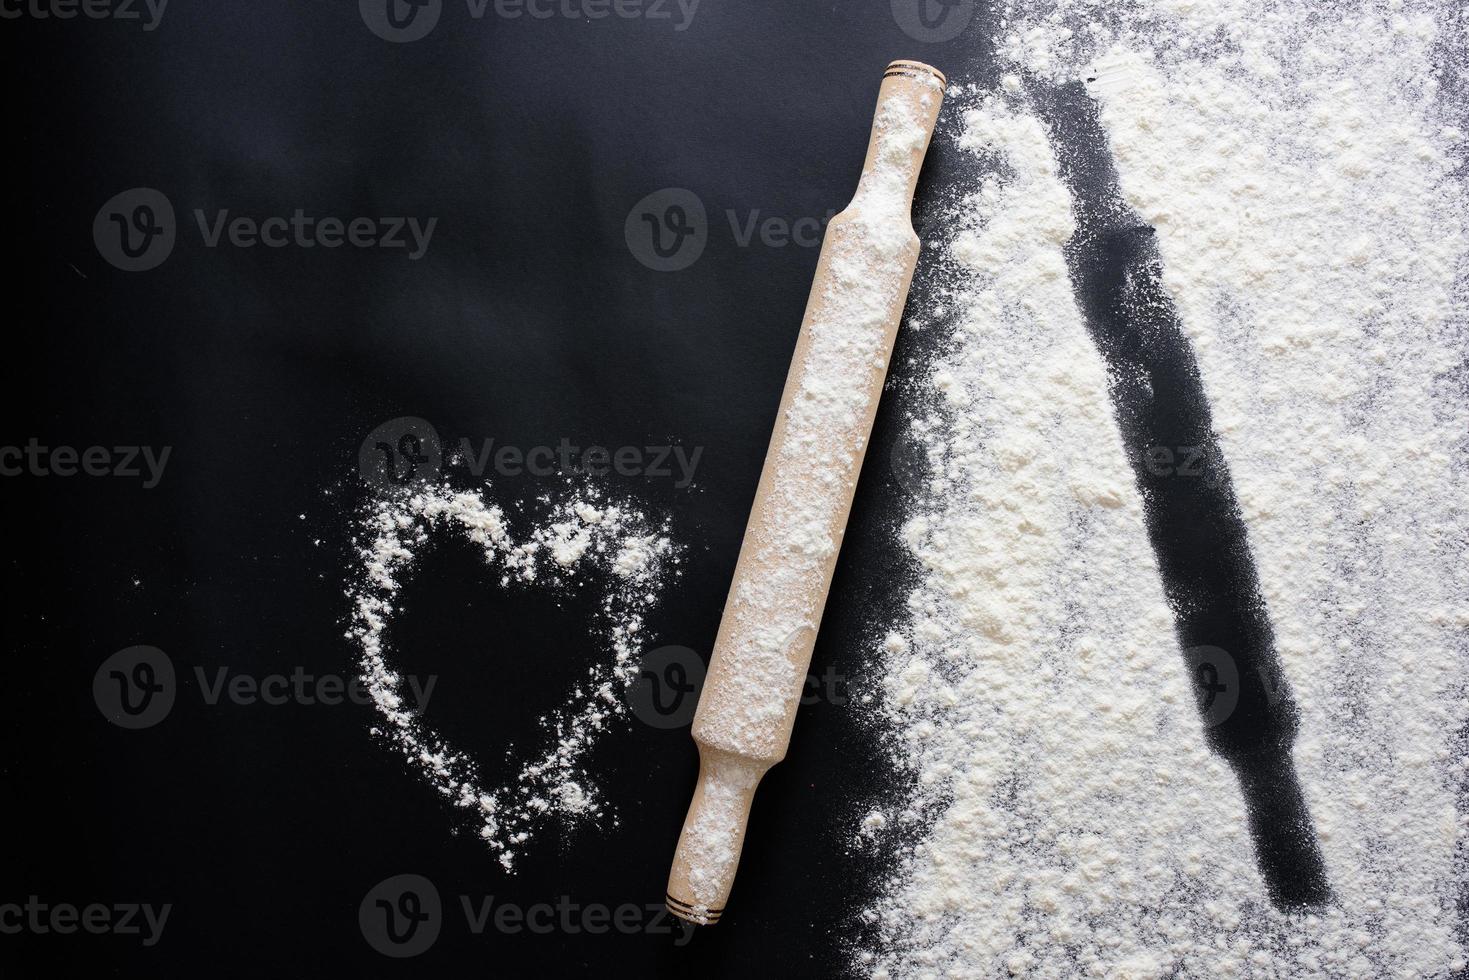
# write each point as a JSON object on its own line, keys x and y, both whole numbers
{"x": 1065, "y": 817}
{"x": 583, "y": 536}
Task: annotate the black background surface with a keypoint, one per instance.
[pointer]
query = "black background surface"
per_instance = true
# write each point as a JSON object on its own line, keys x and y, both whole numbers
{"x": 528, "y": 321}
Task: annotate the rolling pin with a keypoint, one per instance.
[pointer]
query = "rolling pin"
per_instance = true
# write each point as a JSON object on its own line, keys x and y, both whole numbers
{"x": 763, "y": 649}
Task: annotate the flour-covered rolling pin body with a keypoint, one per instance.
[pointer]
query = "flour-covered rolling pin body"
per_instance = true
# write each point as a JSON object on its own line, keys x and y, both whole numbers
{"x": 763, "y": 650}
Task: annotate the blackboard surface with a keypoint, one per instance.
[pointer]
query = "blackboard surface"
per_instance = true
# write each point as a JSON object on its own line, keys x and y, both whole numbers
{"x": 530, "y": 131}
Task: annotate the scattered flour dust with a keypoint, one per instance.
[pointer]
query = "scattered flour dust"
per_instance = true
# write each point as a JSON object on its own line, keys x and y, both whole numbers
{"x": 582, "y": 536}
{"x": 1302, "y": 165}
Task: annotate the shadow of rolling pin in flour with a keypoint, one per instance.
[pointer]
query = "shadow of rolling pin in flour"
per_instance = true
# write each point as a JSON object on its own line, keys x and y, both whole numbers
{"x": 1192, "y": 516}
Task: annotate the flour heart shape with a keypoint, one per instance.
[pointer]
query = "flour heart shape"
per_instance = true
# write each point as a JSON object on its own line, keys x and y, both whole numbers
{"x": 614, "y": 546}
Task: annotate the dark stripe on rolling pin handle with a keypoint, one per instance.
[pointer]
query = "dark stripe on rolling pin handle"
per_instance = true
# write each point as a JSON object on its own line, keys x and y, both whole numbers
{"x": 686, "y": 911}
{"x": 898, "y": 67}
{"x": 915, "y": 74}
{"x": 688, "y": 907}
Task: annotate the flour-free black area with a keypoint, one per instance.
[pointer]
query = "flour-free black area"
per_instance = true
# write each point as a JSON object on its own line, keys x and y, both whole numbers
{"x": 527, "y": 321}
{"x": 1193, "y": 519}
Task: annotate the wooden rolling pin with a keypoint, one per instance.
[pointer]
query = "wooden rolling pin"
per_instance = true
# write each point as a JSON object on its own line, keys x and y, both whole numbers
{"x": 763, "y": 651}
